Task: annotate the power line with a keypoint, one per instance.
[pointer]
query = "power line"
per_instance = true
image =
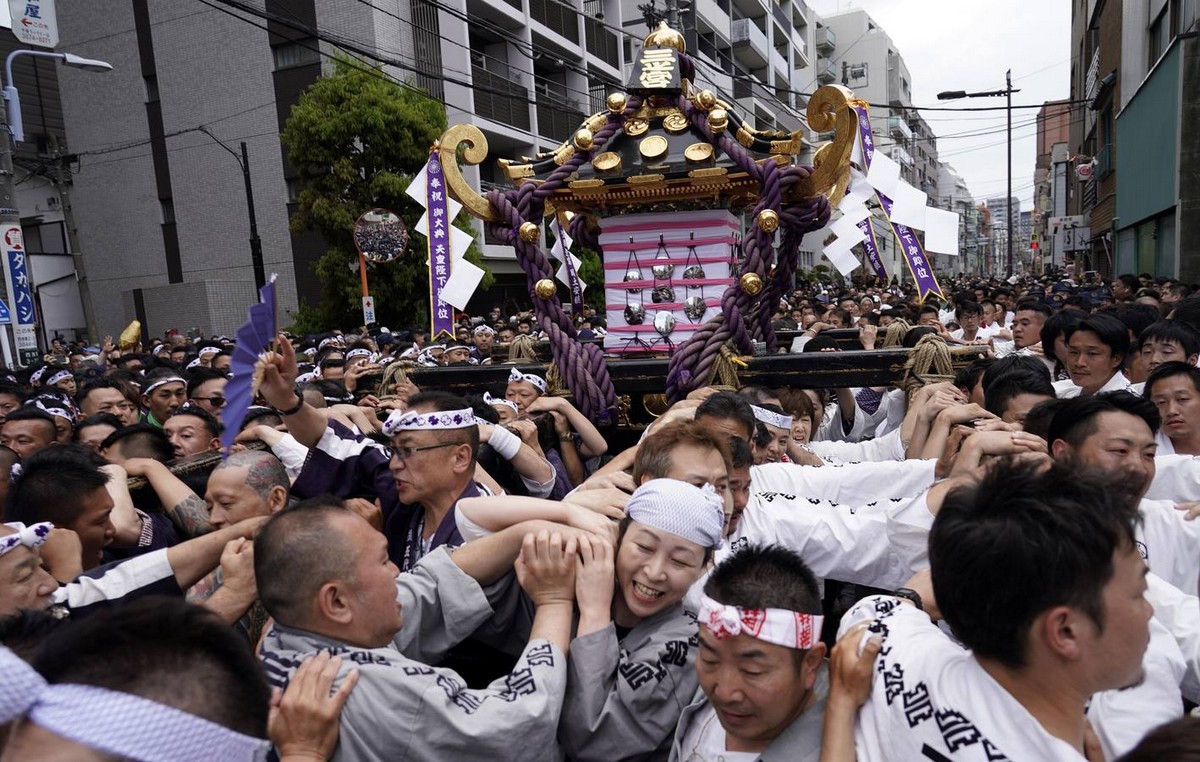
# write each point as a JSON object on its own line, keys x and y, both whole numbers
{"x": 368, "y": 70}
{"x": 357, "y": 48}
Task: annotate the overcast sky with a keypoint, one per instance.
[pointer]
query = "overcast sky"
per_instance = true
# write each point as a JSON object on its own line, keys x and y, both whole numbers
{"x": 968, "y": 45}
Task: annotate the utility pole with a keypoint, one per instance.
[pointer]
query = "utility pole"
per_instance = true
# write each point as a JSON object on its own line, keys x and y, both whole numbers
{"x": 9, "y": 216}
{"x": 10, "y": 225}
{"x": 256, "y": 257}
{"x": 63, "y": 184}
{"x": 243, "y": 160}
{"x": 1008, "y": 91}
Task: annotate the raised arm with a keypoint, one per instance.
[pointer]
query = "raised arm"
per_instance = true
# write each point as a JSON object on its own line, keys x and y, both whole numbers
{"x": 530, "y": 464}
{"x": 593, "y": 443}
{"x": 278, "y": 388}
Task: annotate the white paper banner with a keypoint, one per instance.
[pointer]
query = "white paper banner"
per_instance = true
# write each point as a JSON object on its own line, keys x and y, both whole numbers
{"x": 464, "y": 279}
{"x": 941, "y": 231}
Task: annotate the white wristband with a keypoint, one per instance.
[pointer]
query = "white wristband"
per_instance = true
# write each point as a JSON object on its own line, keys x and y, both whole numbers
{"x": 505, "y": 443}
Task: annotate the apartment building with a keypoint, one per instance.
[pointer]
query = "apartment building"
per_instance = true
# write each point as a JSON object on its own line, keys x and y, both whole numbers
{"x": 160, "y": 205}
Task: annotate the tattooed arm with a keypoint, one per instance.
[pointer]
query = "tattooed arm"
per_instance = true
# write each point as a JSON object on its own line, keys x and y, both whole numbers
{"x": 185, "y": 508}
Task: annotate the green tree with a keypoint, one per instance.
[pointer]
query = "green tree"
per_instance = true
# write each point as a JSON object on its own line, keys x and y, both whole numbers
{"x": 591, "y": 272}
{"x": 358, "y": 139}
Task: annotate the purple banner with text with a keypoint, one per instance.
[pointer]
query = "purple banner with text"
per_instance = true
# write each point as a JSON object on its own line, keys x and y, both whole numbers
{"x": 569, "y": 265}
{"x": 439, "y": 247}
{"x": 910, "y": 245}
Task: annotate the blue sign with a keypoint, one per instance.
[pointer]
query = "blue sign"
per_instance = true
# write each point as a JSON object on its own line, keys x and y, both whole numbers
{"x": 5, "y": 315}
{"x": 22, "y": 295}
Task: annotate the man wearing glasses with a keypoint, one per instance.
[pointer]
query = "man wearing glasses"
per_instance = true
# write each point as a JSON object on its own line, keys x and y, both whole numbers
{"x": 429, "y": 467}
{"x": 206, "y": 390}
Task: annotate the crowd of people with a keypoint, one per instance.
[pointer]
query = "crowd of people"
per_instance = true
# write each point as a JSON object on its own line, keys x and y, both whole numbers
{"x": 998, "y": 562}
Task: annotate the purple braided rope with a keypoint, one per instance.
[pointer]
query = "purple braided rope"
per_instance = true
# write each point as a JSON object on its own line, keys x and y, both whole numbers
{"x": 583, "y": 366}
{"x": 692, "y": 362}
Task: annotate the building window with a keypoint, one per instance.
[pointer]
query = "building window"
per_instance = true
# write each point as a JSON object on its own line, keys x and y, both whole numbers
{"x": 1159, "y": 34}
{"x": 294, "y": 186}
{"x": 1186, "y": 13}
{"x": 151, "y": 83}
{"x": 168, "y": 211}
{"x": 300, "y": 53}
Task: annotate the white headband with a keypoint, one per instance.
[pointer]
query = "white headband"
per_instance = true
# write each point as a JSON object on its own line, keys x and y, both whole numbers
{"x": 789, "y": 629}
{"x": 35, "y": 378}
{"x": 61, "y": 412}
{"x": 58, "y": 376}
{"x": 99, "y": 719}
{"x": 326, "y": 342}
{"x": 434, "y": 420}
{"x": 771, "y": 418}
{"x": 696, "y": 514}
{"x": 485, "y": 329}
{"x": 30, "y": 536}
{"x": 537, "y": 381}
{"x": 458, "y": 346}
{"x": 209, "y": 351}
{"x": 163, "y": 382}
{"x": 308, "y": 378}
{"x": 493, "y": 401}
{"x": 360, "y": 352}
{"x": 159, "y": 349}
{"x": 192, "y": 364}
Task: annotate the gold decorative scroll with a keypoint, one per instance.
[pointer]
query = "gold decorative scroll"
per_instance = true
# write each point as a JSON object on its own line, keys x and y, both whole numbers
{"x": 474, "y": 151}
{"x": 830, "y": 109}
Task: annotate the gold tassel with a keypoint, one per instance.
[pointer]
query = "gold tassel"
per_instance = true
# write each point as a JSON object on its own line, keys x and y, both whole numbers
{"x": 725, "y": 368}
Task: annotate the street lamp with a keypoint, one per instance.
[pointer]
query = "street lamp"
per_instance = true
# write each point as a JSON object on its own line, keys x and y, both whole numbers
{"x": 950, "y": 95}
{"x": 12, "y": 101}
{"x": 10, "y": 217}
{"x": 256, "y": 255}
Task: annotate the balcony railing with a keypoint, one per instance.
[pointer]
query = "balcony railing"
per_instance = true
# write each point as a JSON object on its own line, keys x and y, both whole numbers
{"x": 899, "y": 128}
{"x": 500, "y": 99}
{"x": 555, "y": 121}
{"x": 801, "y": 45}
{"x": 801, "y": 9}
{"x": 750, "y": 43}
{"x": 826, "y": 40}
{"x": 556, "y": 17}
{"x": 601, "y": 42}
{"x": 1092, "y": 82}
{"x": 826, "y": 71}
{"x": 780, "y": 14}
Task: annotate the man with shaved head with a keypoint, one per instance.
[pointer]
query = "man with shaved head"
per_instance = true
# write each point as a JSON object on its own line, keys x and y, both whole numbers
{"x": 245, "y": 485}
